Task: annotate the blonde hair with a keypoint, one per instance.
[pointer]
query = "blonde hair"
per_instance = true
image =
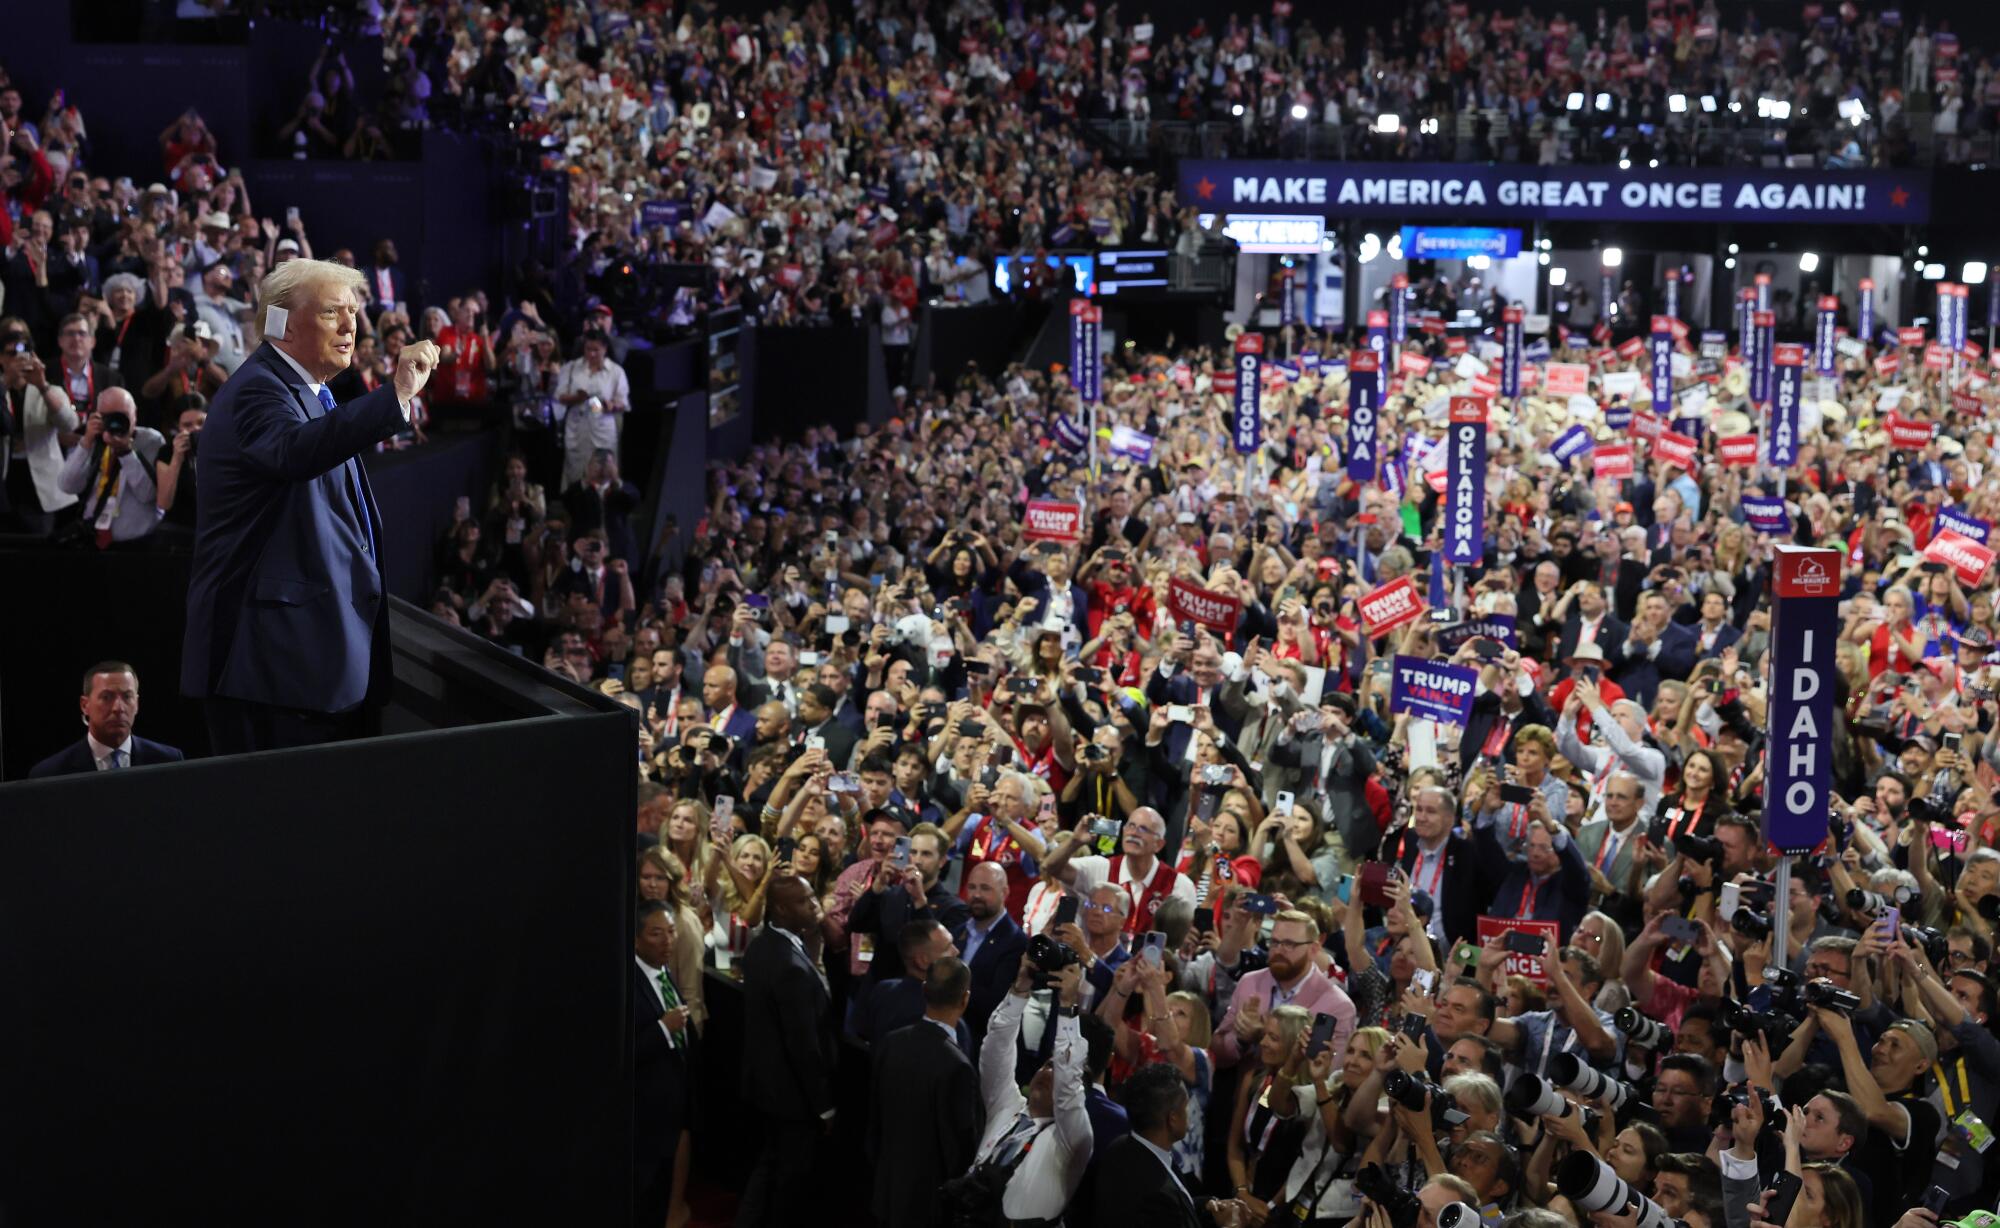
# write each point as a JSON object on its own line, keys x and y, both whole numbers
{"x": 1201, "y": 1025}
{"x": 285, "y": 286}
{"x": 1296, "y": 917}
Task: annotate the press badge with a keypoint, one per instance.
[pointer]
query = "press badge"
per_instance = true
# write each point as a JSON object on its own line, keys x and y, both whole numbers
{"x": 1971, "y": 1131}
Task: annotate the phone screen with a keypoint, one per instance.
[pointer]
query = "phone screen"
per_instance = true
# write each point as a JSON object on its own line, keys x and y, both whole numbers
{"x": 1155, "y": 952}
{"x": 1065, "y": 912}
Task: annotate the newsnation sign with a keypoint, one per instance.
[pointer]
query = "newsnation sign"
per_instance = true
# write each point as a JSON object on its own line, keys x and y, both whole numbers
{"x": 1589, "y": 193}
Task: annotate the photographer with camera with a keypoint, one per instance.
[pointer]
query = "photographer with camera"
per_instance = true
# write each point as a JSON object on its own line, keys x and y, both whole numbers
{"x": 1959, "y": 1006}
{"x": 1037, "y": 1142}
{"x": 111, "y": 470}
{"x": 35, "y": 414}
{"x": 175, "y": 468}
{"x": 1888, "y": 1085}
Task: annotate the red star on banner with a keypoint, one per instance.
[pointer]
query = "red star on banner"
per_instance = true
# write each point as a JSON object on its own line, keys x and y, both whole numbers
{"x": 1207, "y": 188}
{"x": 1899, "y": 197}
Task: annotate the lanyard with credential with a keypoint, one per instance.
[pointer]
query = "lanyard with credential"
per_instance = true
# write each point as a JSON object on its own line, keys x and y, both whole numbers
{"x": 1944, "y": 1089}
{"x": 1528, "y": 894}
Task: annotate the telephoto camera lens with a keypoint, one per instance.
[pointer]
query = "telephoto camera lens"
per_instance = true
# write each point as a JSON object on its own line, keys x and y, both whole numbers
{"x": 1568, "y": 1070}
{"x": 1406, "y": 1089}
{"x": 1642, "y": 1031}
{"x": 1591, "y": 1185}
{"x": 1869, "y": 902}
{"x": 1458, "y": 1215}
{"x": 1533, "y": 1096}
{"x": 1831, "y": 996}
{"x": 1752, "y": 925}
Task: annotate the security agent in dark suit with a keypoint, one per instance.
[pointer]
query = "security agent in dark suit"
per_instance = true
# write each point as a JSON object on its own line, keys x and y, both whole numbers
{"x": 110, "y": 706}
{"x": 288, "y": 623}
{"x": 888, "y": 1006}
{"x": 789, "y": 1048}
{"x": 660, "y": 1042}
{"x": 925, "y": 1110}
{"x": 1135, "y": 1185}
{"x": 991, "y": 942}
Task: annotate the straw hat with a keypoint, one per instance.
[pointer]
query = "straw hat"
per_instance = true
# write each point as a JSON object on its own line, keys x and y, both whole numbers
{"x": 1733, "y": 422}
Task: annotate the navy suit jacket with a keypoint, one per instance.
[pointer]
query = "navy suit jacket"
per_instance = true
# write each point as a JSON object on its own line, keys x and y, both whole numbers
{"x": 994, "y": 965}
{"x": 894, "y": 1005}
{"x": 1641, "y": 675}
{"x": 286, "y": 604}
{"x": 76, "y": 758}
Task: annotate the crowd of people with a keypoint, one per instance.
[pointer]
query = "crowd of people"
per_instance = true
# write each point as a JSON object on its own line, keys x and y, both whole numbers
{"x": 1140, "y": 917}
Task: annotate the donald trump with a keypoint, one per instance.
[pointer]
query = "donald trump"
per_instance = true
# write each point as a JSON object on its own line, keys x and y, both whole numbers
{"x": 287, "y": 629}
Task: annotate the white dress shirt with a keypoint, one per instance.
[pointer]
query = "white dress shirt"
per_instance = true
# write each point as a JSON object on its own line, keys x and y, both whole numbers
{"x": 653, "y": 980}
{"x": 1048, "y": 1175}
{"x": 102, "y": 753}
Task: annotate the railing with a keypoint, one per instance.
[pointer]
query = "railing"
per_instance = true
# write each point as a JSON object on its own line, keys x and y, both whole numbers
{"x": 1686, "y": 140}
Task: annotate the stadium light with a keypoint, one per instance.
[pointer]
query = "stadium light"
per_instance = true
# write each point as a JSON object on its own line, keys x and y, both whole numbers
{"x": 1603, "y": 101}
{"x": 1558, "y": 275}
{"x": 1298, "y": 110}
{"x": 1735, "y": 106}
{"x": 1576, "y": 100}
{"x": 1853, "y": 110}
{"x": 1974, "y": 271}
{"x": 1732, "y": 249}
{"x": 1547, "y": 244}
{"x": 1677, "y": 103}
{"x": 1395, "y": 248}
{"x": 1933, "y": 272}
{"x": 1388, "y": 121}
{"x": 1480, "y": 262}
{"x": 1730, "y": 263}
{"x": 1708, "y": 103}
{"x": 1237, "y": 110}
{"x": 1371, "y": 247}
{"x": 1613, "y": 257}
{"x": 1922, "y": 250}
{"x": 1780, "y": 109}
{"x": 1544, "y": 258}
{"x": 1624, "y": 164}
{"x": 1808, "y": 262}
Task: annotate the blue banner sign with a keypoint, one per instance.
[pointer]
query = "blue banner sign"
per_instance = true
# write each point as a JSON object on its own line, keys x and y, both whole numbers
{"x": 1458, "y": 242}
{"x": 1805, "y": 624}
{"x": 1432, "y": 688}
{"x": 1451, "y": 192}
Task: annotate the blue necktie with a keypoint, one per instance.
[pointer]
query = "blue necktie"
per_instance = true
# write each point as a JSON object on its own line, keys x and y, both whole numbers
{"x": 353, "y": 481}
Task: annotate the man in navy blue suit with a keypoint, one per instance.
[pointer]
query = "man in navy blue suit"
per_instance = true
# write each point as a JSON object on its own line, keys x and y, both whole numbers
{"x": 288, "y": 631}
{"x": 110, "y": 706}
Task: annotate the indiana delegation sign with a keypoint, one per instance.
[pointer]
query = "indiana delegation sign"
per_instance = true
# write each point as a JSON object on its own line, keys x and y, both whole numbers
{"x": 1421, "y": 190}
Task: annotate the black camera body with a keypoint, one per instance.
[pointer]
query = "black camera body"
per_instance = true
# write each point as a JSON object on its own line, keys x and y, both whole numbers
{"x": 1774, "y": 1025}
{"x": 1706, "y": 849}
{"x": 118, "y": 423}
{"x": 1752, "y": 925}
{"x": 1378, "y": 1187}
{"x": 1050, "y": 958}
{"x": 1824, "y": 993}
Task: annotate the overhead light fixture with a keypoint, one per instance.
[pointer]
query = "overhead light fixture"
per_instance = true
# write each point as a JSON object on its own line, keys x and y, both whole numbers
{"x": 1237, "y": 110}
{"x": 1677, "y": 103}
{"x": 1544, "y": 258}
{"x": 1558, "y": 275}
{"x": 1732, "y": 249}
{"x": 1735, "y": 106}
{"x": 1653, "y": 163}
{"x": 1808, "y": 262}
{"x": 1780, "y": 109}
{"x": 1298, "y": 110}
{"x": 1547, "y": 244}
{"x": 1603, "y": 101}
{"x": 1973, "y": 272}
{"x": 1388, "y": 121}
{"x": 1923, "y": 250}
{"x": 1479, "y": 262}
{"x": 1395, "y": 248}
{"x": 1708, "y": 103}
{"x": 1613, "y": 257}
{"x": 1729, "y": 263}
{"x": 1624, "y": 164}
{"x": 1576, "y": 100}
{"x": 1933, "y": 272}
{"x": 1371, "y": 247}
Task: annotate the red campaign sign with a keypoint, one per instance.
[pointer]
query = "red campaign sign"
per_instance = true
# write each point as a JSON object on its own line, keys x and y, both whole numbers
{"x": 1485, "y": 386}
{"x": 1911, "y": 337}
{"x": 1378, "y": 319}
{"x": 1568, "y": 379}
{"x": 1048, "y": 520}
{"x": 1603, "y": 358}
{"x": 1906, "y": 433}
{"x": 1934, "y": 357}
{"x": 1972, "y": 350}
{"x": 1223, "y": 382}
{"x": 1454, "y": 346}
{"x": 1646, "y": 424}
{"x": 1738, "y": 450}
{"x": 1529, "y": 966}
{"x": 1390, "y": 606}
{"x": 1888, "y": 364}
{"x": 1965, "y": 403}
{"x": 1412, "y": 363}
{"x": 1677, "y": 327}
{"x": 1212, "y": 610}
{"x": 1632, "y": 348}
{"x": 1967, "y": 557}
{"x": 1674, "y": 448}
{"x": 1612, "y": 460}
{"x": 1432, "y": 326}
{"x": 1435, "y": 479}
